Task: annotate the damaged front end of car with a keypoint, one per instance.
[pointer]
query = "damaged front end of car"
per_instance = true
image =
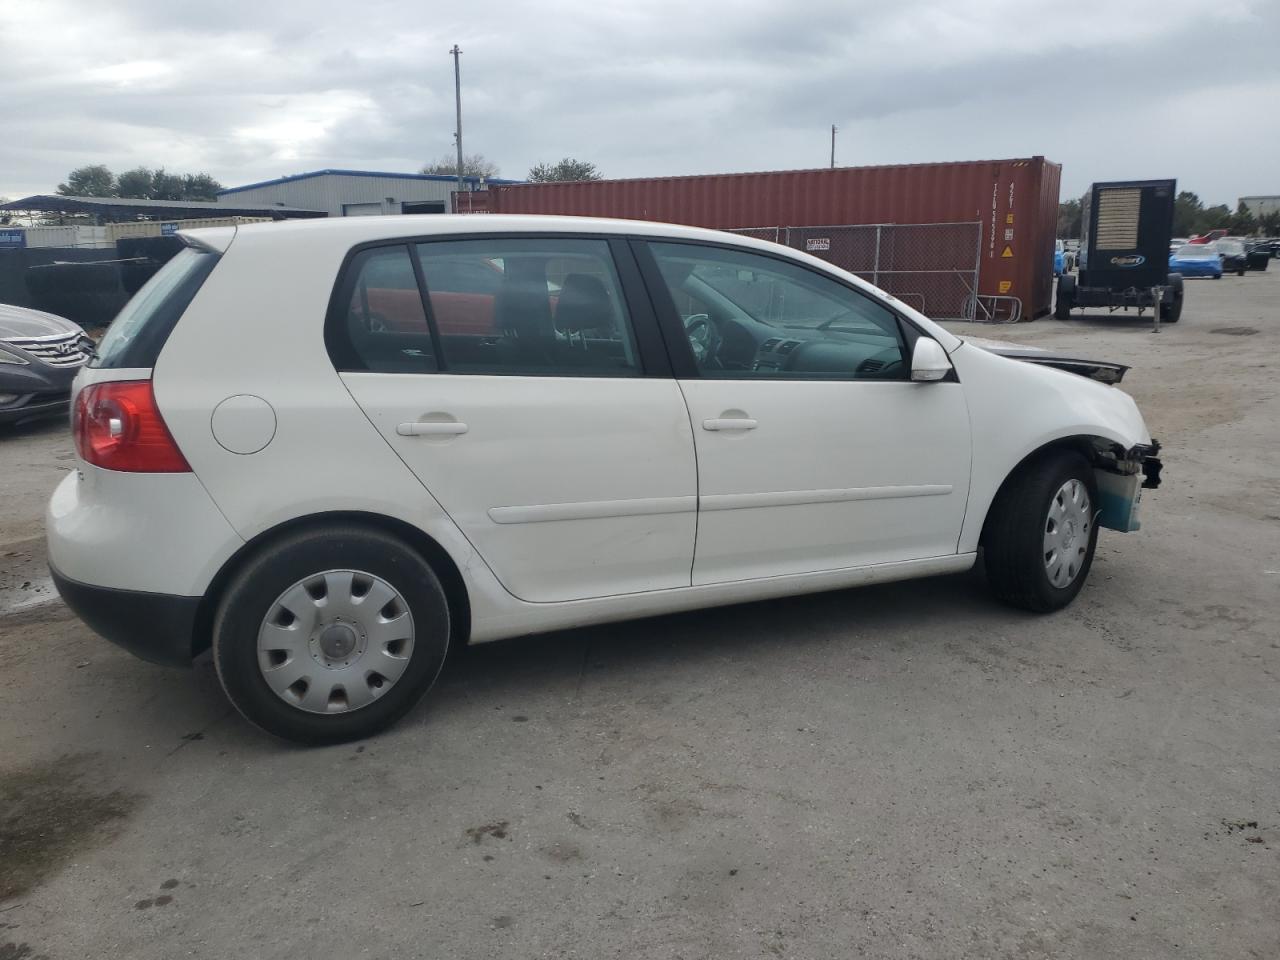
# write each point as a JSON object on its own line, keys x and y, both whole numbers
{"x": 1122, "y": 474}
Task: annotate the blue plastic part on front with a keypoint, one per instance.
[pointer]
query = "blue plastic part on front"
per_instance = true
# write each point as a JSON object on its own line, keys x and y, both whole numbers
{"x": 1118, "y": 498}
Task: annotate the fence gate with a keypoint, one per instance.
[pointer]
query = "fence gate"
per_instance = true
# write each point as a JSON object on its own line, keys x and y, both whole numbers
{"x": 930, "y": 266}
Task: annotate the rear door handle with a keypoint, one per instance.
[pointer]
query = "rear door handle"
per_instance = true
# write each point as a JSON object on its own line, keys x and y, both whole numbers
{"x": 729, "y": 423}
{"x": 418, "y": 428}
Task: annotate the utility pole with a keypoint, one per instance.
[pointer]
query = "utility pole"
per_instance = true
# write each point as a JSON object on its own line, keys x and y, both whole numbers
{"x": 833, "y": 146}
{"x": 457, "y": 96}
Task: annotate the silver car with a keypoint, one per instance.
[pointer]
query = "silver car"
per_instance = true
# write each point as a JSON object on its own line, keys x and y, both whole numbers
{"x": 40, "y": 355}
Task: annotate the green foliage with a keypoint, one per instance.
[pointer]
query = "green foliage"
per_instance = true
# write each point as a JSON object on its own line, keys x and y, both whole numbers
{"x": 139, "y": 183}
{"x": 1191, "y": 217}
{"x": 135, "y": 183}
{"x": 199, "y": 186}
{"x": 564, "y": 170}
{"x": 1242, "y": 221}
{"x": 1069, "y": 217}
{"x": 91, "y": 181}
{"x": 473, "y": 165}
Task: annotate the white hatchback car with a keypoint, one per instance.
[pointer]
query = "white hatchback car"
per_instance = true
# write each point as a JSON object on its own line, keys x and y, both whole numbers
{"x": 330, "y": 450}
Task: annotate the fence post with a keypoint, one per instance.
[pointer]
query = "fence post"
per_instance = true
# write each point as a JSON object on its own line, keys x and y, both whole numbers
{"x": 875, "y": 268}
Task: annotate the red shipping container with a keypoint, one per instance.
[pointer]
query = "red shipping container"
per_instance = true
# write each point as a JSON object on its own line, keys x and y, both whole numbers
{"x": 1015, "y": 201}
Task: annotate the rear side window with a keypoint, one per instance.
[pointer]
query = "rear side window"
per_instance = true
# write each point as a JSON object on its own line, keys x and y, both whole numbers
{"x": 531, "y": 307}
{"x": 378, "y": 323}
{"x": 141, "y": 328}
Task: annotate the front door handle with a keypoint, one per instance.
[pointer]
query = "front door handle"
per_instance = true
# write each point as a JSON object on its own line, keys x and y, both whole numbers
{"x": 729, "y": 423}
{"x": 418, "y": 428}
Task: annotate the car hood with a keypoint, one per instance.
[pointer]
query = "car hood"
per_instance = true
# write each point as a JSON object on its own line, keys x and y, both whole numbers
{"x": 23, "y": 322}
{"x": 1104, "y": 371}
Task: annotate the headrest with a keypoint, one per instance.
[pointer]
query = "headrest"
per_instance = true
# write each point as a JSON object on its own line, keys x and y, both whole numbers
{"x": 584, "y": 304}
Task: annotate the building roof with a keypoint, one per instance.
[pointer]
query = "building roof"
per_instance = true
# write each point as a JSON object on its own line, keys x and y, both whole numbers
{"x": 173, "y": 209}
{"x": 372, "y": 174}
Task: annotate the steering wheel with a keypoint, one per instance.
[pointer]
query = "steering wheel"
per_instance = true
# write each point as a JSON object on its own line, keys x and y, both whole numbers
{"x": 704, "y": 338}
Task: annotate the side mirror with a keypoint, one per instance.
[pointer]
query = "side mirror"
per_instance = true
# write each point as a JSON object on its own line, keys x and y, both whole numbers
{"x": 929, "y": 362}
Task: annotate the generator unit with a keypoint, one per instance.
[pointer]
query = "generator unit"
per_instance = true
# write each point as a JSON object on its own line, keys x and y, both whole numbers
{"x": 1124, "y": 254}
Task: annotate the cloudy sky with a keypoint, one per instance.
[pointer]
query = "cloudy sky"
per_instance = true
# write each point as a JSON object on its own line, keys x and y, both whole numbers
{"x": 1112, "y": 89}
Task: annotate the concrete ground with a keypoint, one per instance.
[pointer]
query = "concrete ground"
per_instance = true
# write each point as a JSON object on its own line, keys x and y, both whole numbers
{"x": 906, "y": 771}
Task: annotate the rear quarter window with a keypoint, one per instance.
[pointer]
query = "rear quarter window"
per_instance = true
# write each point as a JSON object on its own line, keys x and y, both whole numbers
{"x": 141, "y": 328}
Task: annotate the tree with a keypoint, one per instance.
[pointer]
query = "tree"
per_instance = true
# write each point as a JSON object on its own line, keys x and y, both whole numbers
{"x": 166, "y": 186}
{"x": 136, "y": 183}
{"x": 91, "y": 181}
{"x": 140, "y": 183}
{"x": 473, "y": 165}
{"x": 1187, "y": 211}
{"x": 1243, "y": 222}
{"x": 1270, "y": 223}
{"x": 1215, "y": 218}
{"x": 199, "y": 186}
{"x": 1069, "y": 219}
{"x": 566, "y": 169}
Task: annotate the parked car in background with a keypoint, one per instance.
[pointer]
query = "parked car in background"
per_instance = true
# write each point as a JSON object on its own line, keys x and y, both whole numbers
{"x": 1232, "y": 252}
{"x": 40, "y": 355}
{"x": 697, "y": 419}
{"x": 1059, "y": 258}
{"x": 1196, "y": 260}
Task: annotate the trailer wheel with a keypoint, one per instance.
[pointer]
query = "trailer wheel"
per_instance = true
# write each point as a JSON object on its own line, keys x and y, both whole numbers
{"x": 1172, "y": 310}
{"x": 1066, "y": 298}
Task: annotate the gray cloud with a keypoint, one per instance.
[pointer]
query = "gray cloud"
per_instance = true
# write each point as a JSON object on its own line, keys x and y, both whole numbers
{"x": 249, "y": 91}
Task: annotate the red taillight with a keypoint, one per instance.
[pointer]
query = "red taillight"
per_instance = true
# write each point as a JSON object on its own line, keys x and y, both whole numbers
{"x": 117, "y": 426}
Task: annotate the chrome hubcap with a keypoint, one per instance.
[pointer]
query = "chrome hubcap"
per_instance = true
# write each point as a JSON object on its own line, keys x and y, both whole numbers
{"x": 335, "y": 641}
{"x": 1067, "y": 533}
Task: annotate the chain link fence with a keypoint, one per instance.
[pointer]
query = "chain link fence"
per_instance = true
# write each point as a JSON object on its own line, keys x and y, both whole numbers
{"x": 931, "y": 266}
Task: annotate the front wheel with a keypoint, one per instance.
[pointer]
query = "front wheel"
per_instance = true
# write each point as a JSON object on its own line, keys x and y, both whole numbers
{"x": 331, "y": 634}
{"x": 1040, "y": 535}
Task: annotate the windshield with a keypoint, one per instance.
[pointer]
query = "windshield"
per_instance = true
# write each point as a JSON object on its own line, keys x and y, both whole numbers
{"x": 1196, "y": 251}
{"x": 143, "y": 325}
{"x": 1231, "y": 248}
{"x": 1059, "y": 247}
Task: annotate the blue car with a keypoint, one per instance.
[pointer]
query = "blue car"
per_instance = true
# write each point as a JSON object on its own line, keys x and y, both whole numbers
{"x": 1196, "y": 260}
{"x": 1059, "y": 258}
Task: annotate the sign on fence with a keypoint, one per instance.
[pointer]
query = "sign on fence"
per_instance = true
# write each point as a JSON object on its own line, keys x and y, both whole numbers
{"x": 13, "y": 239}
{"x": 817, "y": 243}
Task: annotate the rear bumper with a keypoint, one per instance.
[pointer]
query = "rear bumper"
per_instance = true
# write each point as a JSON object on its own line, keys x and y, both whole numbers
{"x": 154, "y": 626}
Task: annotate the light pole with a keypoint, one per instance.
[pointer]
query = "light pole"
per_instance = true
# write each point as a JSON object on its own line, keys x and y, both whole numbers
{"x": 833, "y": 146}
{"x": 457, "y": 96}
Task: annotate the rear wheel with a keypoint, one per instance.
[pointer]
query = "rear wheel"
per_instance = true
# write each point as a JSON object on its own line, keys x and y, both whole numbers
{"x": 331, "y": 635}
{"x": 1066, "y": 298}
{"x": 1041, "y": 533}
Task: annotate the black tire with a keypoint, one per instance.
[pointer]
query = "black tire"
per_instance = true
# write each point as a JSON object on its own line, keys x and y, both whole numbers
{"x": 1013, "y": 538}
{"x": 255, "y": 588}
{"x": 1066, "y": 298}
{"x": 1240, "y": 272}
{"x": 1171, "y": 312}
